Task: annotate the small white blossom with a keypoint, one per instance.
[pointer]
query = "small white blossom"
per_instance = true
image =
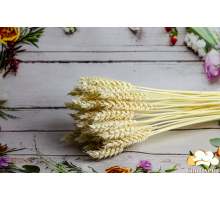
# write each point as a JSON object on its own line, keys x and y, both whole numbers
{"x": 189, "y": 44}
{"x": 201, "y": 44}
{"x": 135, "y": 28}
{"x": 187, "y": 38}
{"x": 66, "y": 30}
{"x": 195, "y": 47}
{"x": 69, "y": 30}
{"x": 193, "y": 42}
{"x": 201, "y": 52}
{"x": 193, "y": 38}
{"x": 72, "y": 29}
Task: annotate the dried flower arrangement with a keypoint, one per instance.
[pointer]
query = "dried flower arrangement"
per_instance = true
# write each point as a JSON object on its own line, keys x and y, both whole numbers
{"x": 115, "y": 114}
{"x": 206, "y": 42}
{"x": 11, "y": 37}
{"x": 6, "y": 164}
{"x": 65, "y": 166}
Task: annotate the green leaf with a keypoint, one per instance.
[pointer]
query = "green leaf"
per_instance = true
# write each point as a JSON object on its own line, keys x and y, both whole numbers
{"x": 215, "y": 142}
{"x": 2, "y": 114}
{"x": 205, "y": 34}
{"x": 14, "y": 149}
{"x": 31, "y": 168}
{"x": 137, "y": 169}
{"x": 171, "y": 170}
{"x": 92, "y": 169}
{"x": 70, "y": 166}
{"x": 8, "y": 108}
{"x": 205, "y": 167}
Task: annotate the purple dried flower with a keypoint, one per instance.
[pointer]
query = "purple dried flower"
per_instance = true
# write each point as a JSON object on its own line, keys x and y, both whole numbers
{"x": 4, "y": 160}
{"x": 212, "y": 59}
{"x": 145, "y": 164}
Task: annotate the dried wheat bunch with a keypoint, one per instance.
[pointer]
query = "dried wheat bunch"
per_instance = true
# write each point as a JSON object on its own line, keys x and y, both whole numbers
{"x": 112, "y": 115}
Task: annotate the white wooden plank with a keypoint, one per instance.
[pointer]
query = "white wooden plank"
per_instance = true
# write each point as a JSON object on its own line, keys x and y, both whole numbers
{"x": 59, "y": 120}
{"x": 128, "y": 160}
{"x": 47, "y": 85}
{"x": 105, "y": 39}
{"x": 38, "y": 120}
{"x": 171, "y": 142}
{"x": 107, "y": 56}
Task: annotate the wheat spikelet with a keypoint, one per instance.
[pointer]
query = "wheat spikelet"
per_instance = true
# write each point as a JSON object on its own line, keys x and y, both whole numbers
{"x": 139, "y": 136}
{"x": 92, "y": 146}
{"x": 85, "y": 88}
{"x": 115, "y": 114}
{"x": 105, "y": 115}
{"x": 72, "y": 135}
{"x": 102, "y": 81}
{"x": 124, "y": 95}
{"x": 83, "y": 138}
{"x": 109, "y": 105}
{"x": 122, "y": 132}
{"x": 69, "y": 137}
{"x": 104, "y": 153}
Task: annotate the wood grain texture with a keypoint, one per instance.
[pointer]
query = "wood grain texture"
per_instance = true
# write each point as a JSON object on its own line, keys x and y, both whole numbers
{"x": 125, "y": 159}
{"x": 145, "y": 58}
{"x": 170, "y": 142}
{"x": 47, "y": 85}
{"x": 106, "y": 39}
{"x": 59, "y": 120}
{"x": 108, "y": 56}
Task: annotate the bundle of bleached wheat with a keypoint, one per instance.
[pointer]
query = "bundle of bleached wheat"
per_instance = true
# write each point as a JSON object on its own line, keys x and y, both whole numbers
{"x": 114, "y": 114}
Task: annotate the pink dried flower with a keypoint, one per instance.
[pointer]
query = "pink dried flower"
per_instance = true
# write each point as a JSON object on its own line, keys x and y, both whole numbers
{"x": 212, "y": 59}
{"x": 145, "y": 164}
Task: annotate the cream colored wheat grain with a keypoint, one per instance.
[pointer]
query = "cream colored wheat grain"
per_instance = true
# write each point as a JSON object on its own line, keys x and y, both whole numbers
{"x": 112, "y": 115}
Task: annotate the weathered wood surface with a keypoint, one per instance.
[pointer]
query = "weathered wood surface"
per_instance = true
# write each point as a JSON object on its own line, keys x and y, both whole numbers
{"x": 47, "y": 85}
{"x": 126, "y": 159}
{"x": 59, "y": 120}
{"x": 145, "y": 58}
{"x": 171, "y": 142}
{"x": 107, "y": 39}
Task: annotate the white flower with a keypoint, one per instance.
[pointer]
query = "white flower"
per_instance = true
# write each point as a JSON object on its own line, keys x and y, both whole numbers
{"x": 67, "y": 30}
{"x": 187, "y": 38}
{"x": 189, "y": 44}
{"x": 195, "y": 47}
{"x": 135, "y": 28}
{"x": 72, "y": 29}
{"x": 193, "y": 38}
{"x": 193, "y": 41}
{"x": 201, "y": 44}
{"x": 201, "y": 52}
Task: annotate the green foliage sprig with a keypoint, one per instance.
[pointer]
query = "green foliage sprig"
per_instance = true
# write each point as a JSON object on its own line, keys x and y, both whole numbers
{"x": 5, "y": 115}
{"x": 143, "y": 170}
{"x": 29, "y": 35}
{"x": 61, "y": 167}
{"x": 12, "y": 168}
{"x": 68, "y": 167}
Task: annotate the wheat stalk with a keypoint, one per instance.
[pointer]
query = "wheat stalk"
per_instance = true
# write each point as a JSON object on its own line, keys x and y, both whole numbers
{"x": 114, "y": 114}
